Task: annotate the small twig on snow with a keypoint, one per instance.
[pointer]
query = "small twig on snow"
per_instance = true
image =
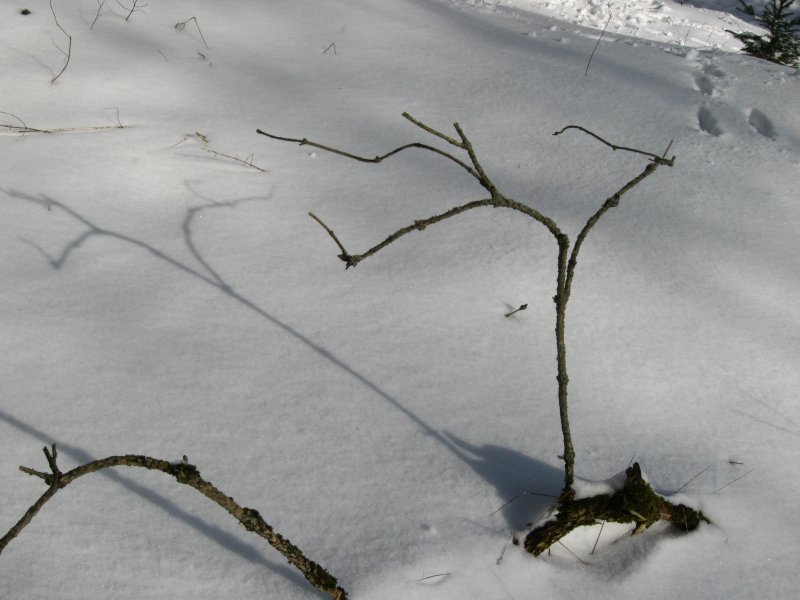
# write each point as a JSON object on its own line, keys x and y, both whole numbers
{"x": 693, "y": 478}
{"x": 68, "y": 53}
{"x": 602, "y": 33}
{"x": 661, "y": 160}
{"x": 599, "y": 533}
{"x": 522, "y": 307}
{"x": 182, "y": 25}
{"x": 248, "y": 162}
{"x": 432, "y": 576}
{"x": 732, "y": 482}
{"x": 333, "y": 45}
{"x": 24, "y": 129}
{"x": 133, "y": 8}
{"x": 100, "y": 4}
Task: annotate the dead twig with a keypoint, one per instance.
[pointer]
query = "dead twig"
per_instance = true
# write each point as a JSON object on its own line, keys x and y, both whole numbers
{"x": 732, "y": 482}
{"x": 182, "y": 25}
{"x": 100, "y": 4}
{"x": 248, "y": 162}
{"x": 134, "y": 8}
{"x": 591, "y": 56}
{"x": 23, "y": 128}
{"x": 68, "y": 53}
{"x": 186, "y": 474}
{"x": 693, "y": 478}
{"x": 333, "y": 45}
{"x": 522, "y": 307}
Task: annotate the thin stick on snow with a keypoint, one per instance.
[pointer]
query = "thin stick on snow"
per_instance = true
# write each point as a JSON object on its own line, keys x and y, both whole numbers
{"x": 518, "y": 496}
{"x": 97, "y": 16}
{"x": 182, "y": 25}
{"x": 68, "y": 53}
{"x": 732, "y": 482}
{"x": 23, "y": 129}
{"x": 333, "y": 45}
{"x": 133, "y": 8}
{"x": 599, "y": 533}
{"x": 186, "y": 474}
{"x": 432, "y": 576}
{"x": 602, "y": 33}
{"x": 693, "y": 478}
{"x": 515, "y": 311}
{"x": 573, "y": 554}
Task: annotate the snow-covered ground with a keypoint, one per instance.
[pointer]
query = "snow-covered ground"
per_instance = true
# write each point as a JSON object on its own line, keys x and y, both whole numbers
{"x": 161, "y": 299}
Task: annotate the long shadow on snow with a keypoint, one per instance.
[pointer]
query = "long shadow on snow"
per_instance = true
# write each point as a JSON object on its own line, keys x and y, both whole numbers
{"x": 510, "y": 472}
{"x": 214, "y": 533}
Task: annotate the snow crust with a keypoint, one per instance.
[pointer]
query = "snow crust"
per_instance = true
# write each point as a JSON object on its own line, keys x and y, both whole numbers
{"x": 161, "y": 298}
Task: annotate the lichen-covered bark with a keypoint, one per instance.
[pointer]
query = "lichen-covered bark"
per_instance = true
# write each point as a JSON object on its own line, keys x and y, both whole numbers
{"x": 186, "y": 474}
{"x": 635, "y": 503}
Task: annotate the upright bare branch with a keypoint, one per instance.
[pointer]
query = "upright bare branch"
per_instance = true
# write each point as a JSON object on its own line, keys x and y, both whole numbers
{"x": 566, "y": 260}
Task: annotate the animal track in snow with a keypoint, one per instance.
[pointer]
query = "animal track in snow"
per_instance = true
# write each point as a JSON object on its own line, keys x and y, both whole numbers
{"x": 708, "y": 121}
{"x": 762, "y": 123}
{"x": 704, "y": 84}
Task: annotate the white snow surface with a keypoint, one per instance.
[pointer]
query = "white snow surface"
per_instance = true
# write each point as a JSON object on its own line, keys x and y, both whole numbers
{"x": 161, "y": 299}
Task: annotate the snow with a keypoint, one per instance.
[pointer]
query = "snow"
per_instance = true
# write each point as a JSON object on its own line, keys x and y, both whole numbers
{"x": 162, "y": 300}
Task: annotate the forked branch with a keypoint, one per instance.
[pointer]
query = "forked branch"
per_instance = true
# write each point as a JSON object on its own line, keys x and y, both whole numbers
{"x": 186, "y": 474}
{"x": 567, "y": 255}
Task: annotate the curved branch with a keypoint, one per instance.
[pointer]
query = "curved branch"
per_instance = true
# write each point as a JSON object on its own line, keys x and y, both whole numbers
{"x": 377, "y": 159}
{"x": 661, "y": 160}
{"x": 187, "y": 474}
{"x": 611, "y": 202}
{"x": 352, "y": 260}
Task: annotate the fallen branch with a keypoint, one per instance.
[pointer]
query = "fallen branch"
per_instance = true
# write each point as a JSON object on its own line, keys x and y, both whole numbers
{"x": 186, "y": 474}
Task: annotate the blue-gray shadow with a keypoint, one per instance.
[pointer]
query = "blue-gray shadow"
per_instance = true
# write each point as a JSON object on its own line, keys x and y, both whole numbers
{"x": 510, "y": 472}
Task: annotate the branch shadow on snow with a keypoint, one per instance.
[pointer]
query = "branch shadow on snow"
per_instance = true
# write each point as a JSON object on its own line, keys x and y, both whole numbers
{"x": 214, "y": 533}
{"x": 532, "y": 484}
{"x": 510, "y": 472}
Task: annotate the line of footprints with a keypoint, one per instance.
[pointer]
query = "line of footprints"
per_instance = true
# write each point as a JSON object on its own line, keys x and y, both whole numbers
{"x": 714, "y": 115}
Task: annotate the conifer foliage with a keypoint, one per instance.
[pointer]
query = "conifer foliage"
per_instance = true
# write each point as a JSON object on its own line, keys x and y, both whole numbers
{"x": 782, "y": 43}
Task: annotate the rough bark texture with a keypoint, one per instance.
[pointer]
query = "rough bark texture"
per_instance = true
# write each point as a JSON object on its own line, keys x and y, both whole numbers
{"x": 635, "y": 503}
{"x": 186, "y": 474}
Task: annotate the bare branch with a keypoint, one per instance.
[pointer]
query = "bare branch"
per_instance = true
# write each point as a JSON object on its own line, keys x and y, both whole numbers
{"x": 377, "y": 159}
{"x": 133, "y": 8}
{"x": 432, "y": 131}
{"x": 186, "y": 474}
{"x": 352, "y": 260}
{"x": 100, "y": 4}
{"x": 661, "y": 160}
{"x": 182, "y": 25}
{"x": 611, "y": 202}
{"x": 344, "y": 255}
{"x": 566, "y": 260}
{"x": 69, "y": 47}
